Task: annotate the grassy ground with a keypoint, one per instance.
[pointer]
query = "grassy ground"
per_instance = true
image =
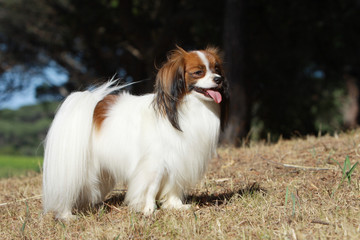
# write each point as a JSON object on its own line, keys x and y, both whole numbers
{"x": 18, "y": 165}
{"x": 289, "y": 190}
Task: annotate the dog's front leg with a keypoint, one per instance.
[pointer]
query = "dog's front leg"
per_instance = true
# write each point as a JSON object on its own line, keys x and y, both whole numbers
{"x": 173, "y": 200}
{"x": 143, "y": 189}
{"x": 152, "y": 191}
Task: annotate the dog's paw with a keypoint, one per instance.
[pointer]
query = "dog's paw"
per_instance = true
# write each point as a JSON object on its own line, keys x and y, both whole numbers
{"x": 175, "y": 203}
{"x": 149, "y": 210}
{"x": 184, "y": 207}
{"x": 66, "y": 217}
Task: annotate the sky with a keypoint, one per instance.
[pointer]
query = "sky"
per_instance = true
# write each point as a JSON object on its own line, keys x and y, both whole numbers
{"x": 51, "y": 74}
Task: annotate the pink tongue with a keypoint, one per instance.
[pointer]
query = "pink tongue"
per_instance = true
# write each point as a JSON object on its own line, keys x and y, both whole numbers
{"x": 215, "y": 95}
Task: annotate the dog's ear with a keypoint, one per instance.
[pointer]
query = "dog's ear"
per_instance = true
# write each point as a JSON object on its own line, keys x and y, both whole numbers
{"x": 170, "y": 86}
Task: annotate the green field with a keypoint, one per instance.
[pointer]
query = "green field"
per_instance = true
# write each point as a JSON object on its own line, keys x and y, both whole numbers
{"x": 18, "y": 165}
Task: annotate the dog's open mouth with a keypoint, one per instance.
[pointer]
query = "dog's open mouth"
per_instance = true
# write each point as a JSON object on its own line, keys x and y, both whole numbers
{"x": 211, "y": 93}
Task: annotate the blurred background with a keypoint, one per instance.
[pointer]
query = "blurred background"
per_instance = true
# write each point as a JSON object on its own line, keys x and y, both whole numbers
{"x": 293, "y": 66}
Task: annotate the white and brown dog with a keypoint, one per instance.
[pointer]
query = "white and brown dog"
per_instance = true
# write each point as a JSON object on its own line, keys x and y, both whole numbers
{"x": 157, "y": 144}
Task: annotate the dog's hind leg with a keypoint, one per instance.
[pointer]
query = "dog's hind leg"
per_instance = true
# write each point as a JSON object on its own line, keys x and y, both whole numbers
{"x": 107, "y": 183}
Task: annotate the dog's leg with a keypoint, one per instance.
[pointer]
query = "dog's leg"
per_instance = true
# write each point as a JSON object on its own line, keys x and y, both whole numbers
{"x": 66, "y": 216}
{"x": 173, "y": 200}
{"x": 153, "y": 189}
{"x": 143, "y": 189}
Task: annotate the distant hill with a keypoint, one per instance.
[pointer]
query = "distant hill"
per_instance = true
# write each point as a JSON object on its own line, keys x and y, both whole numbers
{"x": 22, "y": 131}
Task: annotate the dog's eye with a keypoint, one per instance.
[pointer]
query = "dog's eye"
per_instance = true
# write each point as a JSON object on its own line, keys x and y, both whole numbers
{"x": 198, "y": 73}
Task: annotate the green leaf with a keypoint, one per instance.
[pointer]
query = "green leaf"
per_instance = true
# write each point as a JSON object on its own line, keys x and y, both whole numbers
{"x": 286, "y": 195}
{"x": 294, "y": 203}
{"x": 348, "y": 173}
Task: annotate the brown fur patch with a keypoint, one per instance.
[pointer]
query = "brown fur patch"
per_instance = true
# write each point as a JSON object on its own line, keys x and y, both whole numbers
{"x": 193, "y": 61}
{"x": 215, "y": 61}
{"x": 102, "y": 108}
{"x": 193, "y": 64}
{"x": 170, "y": 86}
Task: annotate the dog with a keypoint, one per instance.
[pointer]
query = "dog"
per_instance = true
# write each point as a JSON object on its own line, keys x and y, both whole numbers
{"x": 157, "y": 144}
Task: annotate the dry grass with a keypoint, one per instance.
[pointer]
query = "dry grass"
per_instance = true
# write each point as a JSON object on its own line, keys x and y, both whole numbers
{"x": 248, "y": 193}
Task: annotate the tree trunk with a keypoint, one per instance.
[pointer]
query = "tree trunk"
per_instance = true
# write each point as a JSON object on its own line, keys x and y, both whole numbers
{"x": 239, "y": 122}
{"x": 351, "y": 106}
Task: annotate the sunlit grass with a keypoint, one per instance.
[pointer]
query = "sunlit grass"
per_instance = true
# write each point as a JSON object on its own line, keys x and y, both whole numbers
{"x": 18, "y": 165}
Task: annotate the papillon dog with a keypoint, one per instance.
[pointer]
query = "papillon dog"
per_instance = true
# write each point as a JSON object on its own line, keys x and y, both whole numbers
{"x": 157, "y": 144}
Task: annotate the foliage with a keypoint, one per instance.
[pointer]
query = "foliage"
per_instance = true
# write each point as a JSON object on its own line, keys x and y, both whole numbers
{"x": 294, "y": 53}
{"x": 22, "y": 131}
{"x": 95, "y": 40}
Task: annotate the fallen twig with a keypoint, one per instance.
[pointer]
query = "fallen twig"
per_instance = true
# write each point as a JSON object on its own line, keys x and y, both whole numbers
{"x": 222, "y": 180}
{"x": 113, "y": 207}
{"x": 320, "y": 222}
{"x": 298, "y": 167}
{"x": 21, "y": 200}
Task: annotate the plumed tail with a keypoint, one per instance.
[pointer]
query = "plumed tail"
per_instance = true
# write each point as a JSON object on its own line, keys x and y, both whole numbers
{"x": 67, "y": 152}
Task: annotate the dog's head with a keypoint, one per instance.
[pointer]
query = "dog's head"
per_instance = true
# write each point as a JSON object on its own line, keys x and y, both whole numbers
{"x": 194, "y": 72}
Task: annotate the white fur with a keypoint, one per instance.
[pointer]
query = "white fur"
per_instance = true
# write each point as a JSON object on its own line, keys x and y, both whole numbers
{"x": 135, "y": 145}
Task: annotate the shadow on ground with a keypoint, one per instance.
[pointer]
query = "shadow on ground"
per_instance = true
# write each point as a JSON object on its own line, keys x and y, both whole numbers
{"x": 222, "y": 198}
{"x": 200, "y": 200}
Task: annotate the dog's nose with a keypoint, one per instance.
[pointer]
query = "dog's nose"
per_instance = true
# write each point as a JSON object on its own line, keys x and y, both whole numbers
{"x": 218, "y": 80}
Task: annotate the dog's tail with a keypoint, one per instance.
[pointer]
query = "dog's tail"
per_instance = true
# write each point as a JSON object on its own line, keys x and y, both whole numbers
{"x": 67, "y": 149}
